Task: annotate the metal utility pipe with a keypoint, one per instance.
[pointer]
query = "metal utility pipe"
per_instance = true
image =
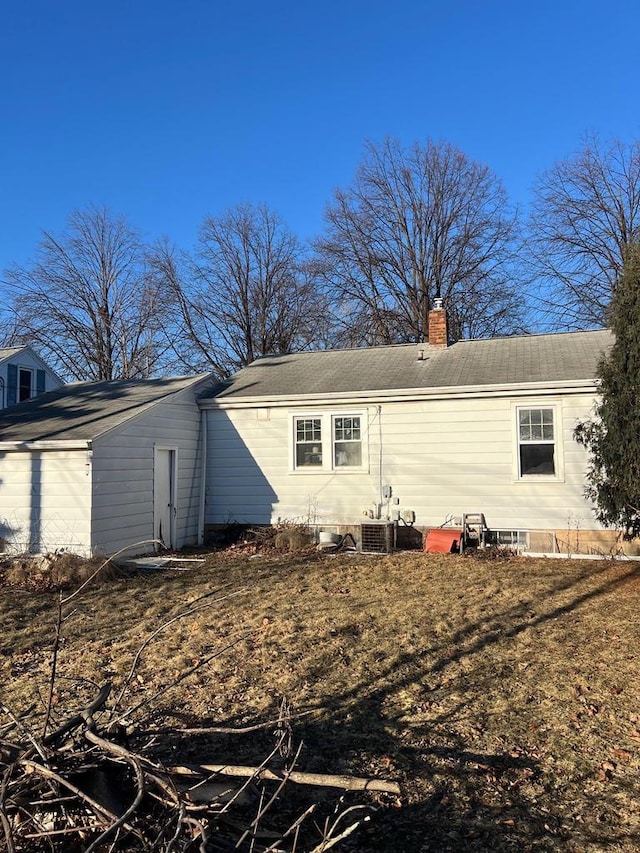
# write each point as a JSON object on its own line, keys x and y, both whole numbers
{"x": 380, "y": 458}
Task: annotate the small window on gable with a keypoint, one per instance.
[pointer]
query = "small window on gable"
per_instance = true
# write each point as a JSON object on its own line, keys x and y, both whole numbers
{"x": 25, "y": 381}
{"x": 308, "y": 442}
{"x": 347, "y": 442}
{"x": 536, "y": 442}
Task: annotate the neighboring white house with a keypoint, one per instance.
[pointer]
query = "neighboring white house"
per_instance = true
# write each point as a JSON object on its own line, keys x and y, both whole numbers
{"x": 424, "y": 431}
{"x": 98, "y": 466}
{"x": 23, "y": 375}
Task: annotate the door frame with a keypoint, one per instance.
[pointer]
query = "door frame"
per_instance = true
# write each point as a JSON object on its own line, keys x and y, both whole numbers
{"x": 172, "y": 449}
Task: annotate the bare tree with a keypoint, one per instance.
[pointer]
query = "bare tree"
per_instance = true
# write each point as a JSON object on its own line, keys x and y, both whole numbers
{"x": 9, "y": 333}
{"x": 585, "y": 215}
{"x": 89, "y": 302}
{"x": 416, "y": 224}
{"x": 248, "y": 292}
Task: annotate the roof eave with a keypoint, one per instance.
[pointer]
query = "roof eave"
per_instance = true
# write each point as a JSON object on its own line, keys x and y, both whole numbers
{"x": 572, "y": 386}
{"x": 56, "y": 444}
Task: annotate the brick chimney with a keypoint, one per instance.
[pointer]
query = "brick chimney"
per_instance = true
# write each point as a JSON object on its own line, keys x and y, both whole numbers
{"x": 437, "y": 325}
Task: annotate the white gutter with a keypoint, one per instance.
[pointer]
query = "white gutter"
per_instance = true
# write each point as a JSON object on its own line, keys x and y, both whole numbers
{"x": 46, "y": 445}
{"x": 574, "y": 386}
{"x": 203, "y": 475}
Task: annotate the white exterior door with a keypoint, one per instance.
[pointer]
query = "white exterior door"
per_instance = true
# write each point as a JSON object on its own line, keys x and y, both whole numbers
{"x": 164, "y": 496}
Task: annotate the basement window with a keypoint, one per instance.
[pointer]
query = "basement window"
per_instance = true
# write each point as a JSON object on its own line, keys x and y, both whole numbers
{"x": 329, "y": 442}
{"x": 536, "y": 443}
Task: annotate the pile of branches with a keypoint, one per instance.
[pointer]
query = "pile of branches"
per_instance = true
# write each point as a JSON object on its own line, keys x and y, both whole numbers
{"x": 285, "y": 536}
{"x": 92, "y": 780}
{"x": 79, "y": 788}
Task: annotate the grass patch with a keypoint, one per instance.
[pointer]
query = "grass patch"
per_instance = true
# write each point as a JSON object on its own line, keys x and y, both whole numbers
{"x": 503, "y": 694}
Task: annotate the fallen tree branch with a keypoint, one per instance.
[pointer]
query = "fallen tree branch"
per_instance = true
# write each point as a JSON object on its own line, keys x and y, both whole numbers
{"x": 80, "y": 784}
{"x": 265, "y": 808}
{"x": 221, "y": 730}
{"x": 122, "y": 820}
{"x": 328, "y": 843}
{"x": 347, "y": 783}
{"x": 81, "y": 717}
{"x": 6, "y": 826}
{"x": 25, "y": 731}
{"x": 33, "y": 767}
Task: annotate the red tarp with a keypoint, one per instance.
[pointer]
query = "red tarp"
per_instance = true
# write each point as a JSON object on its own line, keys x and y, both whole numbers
{"x": 442, "y": 540}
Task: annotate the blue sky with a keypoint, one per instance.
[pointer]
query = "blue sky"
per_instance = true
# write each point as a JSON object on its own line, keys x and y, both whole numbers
{"x": 169, "y": 111}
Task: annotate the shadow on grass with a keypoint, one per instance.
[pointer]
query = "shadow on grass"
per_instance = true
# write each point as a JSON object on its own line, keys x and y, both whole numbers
{"x": 507, "y": 799}
{"x": 462, "y": 792}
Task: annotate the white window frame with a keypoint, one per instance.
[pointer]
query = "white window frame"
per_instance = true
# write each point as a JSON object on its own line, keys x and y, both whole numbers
{"x": 327, "y": 442}
{"x": 315, "y": 445}
{"x": 556, "y": 408}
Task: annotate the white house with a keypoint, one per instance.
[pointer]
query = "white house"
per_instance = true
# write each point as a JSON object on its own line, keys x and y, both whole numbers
{"x": 98, "y": 466}
{"x": 426, "y": 432}
{"x": 23, "y": 375}
{"x": 414, "y": 435}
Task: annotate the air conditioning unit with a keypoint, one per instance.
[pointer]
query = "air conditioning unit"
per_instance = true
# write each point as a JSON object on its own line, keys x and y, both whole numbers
{"x": 377, "y": 538}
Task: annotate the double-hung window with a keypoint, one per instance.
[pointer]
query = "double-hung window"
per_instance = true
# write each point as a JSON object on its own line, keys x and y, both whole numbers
{"x": 347, "y": 441}
{"x": 308, "y": 442}
{"x": 537, "y": 452}
{"x": 329, "y": 442}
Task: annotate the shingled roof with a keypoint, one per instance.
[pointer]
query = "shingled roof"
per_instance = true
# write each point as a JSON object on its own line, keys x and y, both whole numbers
{"x": 84, "y": 410}
{"x": 10, "y": 352}
{"x": 565, "y": 357}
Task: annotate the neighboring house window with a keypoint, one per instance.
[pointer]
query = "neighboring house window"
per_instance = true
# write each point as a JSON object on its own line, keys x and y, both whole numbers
{"x": 329, "y": 442}
{"x": 536, "y": 443}
{"x": 25, "y": 378}
{"x": 20, "y": 385}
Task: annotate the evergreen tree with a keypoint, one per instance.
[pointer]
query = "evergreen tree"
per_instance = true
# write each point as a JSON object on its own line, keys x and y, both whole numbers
{"x": 613, "y": 436}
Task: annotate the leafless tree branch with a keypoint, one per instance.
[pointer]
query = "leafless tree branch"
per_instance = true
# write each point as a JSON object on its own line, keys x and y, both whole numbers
{"x": 419, "y": 223}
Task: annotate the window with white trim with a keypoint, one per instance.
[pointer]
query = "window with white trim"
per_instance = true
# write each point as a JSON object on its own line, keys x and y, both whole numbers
{"x": 329, "y": 442}
{"x": 21, "y": 385}
{"x": 308, "y": 442}
{"x": 347, "y": 441}
{"x": 537, "y": 442}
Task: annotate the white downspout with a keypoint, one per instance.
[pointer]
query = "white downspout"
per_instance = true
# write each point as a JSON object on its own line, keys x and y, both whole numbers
{"x": 203, "y": 474}
{"x": 380, "y": 463}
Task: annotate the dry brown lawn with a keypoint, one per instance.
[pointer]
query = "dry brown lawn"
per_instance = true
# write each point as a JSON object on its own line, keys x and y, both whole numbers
{"x": 502, "y": 693}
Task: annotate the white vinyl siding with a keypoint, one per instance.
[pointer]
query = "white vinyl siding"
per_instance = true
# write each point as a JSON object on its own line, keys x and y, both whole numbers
{"x": 123, "y": 475}
{"x": 45, "y": 501}
{"x": 441, "y": 457}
